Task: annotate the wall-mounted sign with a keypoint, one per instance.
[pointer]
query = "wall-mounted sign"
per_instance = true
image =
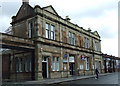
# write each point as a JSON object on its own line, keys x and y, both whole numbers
{"x": 65, "y": 60}
{"x": 66, "y": 55}
{"x": 71, "y": 59}
{"x": 83, "y": 57}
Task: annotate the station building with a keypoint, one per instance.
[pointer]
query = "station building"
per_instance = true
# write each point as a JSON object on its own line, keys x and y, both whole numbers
{"x": 61, "y": 48}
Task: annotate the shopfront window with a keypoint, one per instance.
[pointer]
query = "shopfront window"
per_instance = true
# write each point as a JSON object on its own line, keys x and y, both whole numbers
{"x": 28, "y": 64}
{"x": 20, "y": 64}
{"x": 53, "y": 63}
{"x": 57, "y": 63}
{"x": 87, "y": 63}
{"x": 17, "y": 64}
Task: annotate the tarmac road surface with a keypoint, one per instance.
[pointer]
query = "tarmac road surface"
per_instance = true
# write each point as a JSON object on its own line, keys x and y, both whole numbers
{"x": 108, "y": 79}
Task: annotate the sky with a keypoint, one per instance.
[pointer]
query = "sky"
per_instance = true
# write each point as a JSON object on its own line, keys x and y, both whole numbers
{"x": 99, "y": 15}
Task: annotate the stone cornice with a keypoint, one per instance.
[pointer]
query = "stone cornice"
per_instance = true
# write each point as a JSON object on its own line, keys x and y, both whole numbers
{"x": 65, "y": 45}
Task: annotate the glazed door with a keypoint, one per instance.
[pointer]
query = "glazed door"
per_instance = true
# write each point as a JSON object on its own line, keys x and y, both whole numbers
{"x": 44, "y": 69}
{"x": 72, "y": 68}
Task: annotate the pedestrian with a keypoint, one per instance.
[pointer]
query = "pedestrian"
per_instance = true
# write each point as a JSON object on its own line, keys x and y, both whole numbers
{"x": 96, "y": 72}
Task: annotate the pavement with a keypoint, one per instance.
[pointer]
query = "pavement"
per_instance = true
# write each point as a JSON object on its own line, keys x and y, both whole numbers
{"x": 55, "y": 81}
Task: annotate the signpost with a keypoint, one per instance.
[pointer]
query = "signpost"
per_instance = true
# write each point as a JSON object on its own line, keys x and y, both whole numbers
{"x": 66, "y": 55}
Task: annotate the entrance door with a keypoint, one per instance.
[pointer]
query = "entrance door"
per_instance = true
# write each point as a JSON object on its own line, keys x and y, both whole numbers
{"x": 72, "y": 68}
{"x": 99, "y": 67}
{"x": 44, "y": 69}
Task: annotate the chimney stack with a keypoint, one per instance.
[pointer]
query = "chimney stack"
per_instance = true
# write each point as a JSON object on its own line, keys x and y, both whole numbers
{"x": 67, "y": 18}
{"x": 25, "y": 1}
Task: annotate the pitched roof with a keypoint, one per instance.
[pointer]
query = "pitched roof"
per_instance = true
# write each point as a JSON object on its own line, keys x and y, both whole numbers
{"x": 96, "y": 33}
{"x": 24, "y": 11}
{"x": 50, "y": 9}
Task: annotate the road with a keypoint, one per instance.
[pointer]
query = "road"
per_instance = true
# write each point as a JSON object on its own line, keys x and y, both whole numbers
{"x": 108, "y": 79}
{"x": 104, "y": 80}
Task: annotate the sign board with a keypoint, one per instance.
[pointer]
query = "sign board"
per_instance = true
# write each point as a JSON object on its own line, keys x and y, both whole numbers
{"x": 65, "y": 55}
{"x": 71, "y": 59}
{"x": 83, "y": 57}
{"x": 65, "y": 60}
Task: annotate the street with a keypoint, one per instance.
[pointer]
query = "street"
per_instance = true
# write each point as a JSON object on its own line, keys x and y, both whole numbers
{"x": 108, "y": 79}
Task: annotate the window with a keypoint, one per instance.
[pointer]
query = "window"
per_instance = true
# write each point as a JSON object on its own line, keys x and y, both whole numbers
{"x": 73, "y": 39}
{"x": 62, "y": 39}
{"x": 53, "y": 63}
{"x": 20, "y": 64}
{"x": 47, "y": 30}
{"x": 92, "y": 43}
{"x": 17, "y": 65}
{"x": 87, "y": 63}
{"x": 30, "y": 30}
{"x": 28, "y": 64}
{"x": 81, "y": 66}
{"x": 86, "y": 42}
{"x": 57, "y": 63}
{"x": 80, "y": 43}
{"x": 96, "y": 46}
{"x": 70, "y": 41}
{"x": 30, "y": 27}
{"x": 52, "y": 32}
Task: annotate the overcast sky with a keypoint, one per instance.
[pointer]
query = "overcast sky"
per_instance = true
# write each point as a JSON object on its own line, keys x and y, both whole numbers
{"x": 100, "y": 15}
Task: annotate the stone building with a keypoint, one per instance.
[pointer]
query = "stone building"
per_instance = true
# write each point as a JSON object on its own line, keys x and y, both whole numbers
{"x": 62, "y": 49}
{"x": 110, "y": 63}
{"x": 5, "y": 66}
